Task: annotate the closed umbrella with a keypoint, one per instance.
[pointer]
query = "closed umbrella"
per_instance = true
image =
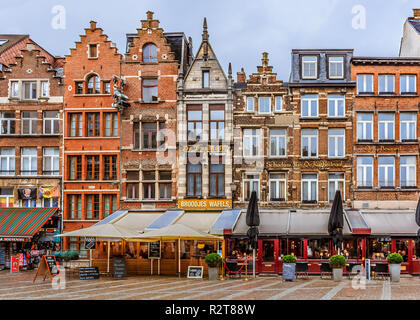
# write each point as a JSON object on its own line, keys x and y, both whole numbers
{"x": 418, "y": 219}
{"x": 253, "y": 221}
{"x": 336, "y": 221}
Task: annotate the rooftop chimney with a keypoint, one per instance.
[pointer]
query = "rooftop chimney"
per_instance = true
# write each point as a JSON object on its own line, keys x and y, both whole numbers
{"x": 241, "y": 76}
{"x": 416, "y": 13}
{"x": 93, "y": 25}
{"x": 149, "y": 15}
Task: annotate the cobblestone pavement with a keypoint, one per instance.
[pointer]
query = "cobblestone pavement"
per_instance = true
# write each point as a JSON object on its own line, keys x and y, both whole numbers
{"x": 21, "y": 287}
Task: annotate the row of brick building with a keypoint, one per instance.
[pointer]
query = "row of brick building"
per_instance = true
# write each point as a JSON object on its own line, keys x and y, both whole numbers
{"x": 159, "y": 128}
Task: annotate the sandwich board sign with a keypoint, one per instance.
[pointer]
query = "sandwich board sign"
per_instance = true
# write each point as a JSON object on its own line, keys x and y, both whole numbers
{"x": 48, "y": 266}
{"x": 195, "y": 272}
{"x": 90, "y": 243}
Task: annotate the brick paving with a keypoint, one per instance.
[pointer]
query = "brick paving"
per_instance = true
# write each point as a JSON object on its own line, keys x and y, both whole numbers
{"x": 20, "y": 287}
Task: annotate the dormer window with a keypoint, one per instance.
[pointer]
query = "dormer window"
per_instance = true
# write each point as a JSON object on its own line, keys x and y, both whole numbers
{"x": 309, "y": 67}
{"x": 206, "y": 79}
{"x": 336, "y": 67}
{"x": 94, "y": 85}
{"x": 149, "y": 53}
{"x": 93, "y": 50}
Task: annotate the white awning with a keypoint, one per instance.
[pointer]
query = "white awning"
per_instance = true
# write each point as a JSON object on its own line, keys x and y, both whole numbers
{"x": 392, "y": 222}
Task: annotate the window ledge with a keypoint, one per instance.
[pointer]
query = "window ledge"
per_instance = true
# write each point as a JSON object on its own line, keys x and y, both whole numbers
{"x": 309, "y": 118}
{"x": 277, "y": 157}
{"x": 92, "y": 95}
{"x": 387, "y": 141}
{"x": 305, "y": 159}
{"x": 336, "y": 158}
{"x": 337, "y": 118}
{"x": 148, "y": 102}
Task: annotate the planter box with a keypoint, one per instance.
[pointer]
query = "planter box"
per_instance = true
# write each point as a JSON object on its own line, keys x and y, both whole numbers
{"x": 337, "y": 274}
{"x": 289, "y": 271}
{"x": 395, "y": 270}
{"x": 213, "y": 274}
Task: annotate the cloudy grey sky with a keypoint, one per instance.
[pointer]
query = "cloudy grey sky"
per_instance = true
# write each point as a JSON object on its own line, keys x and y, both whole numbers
{"x": 240, "y": 30}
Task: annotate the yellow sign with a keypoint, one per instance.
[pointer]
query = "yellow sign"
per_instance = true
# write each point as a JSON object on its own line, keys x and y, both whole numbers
{"x": 215, "y": 148}
{"x": 205, "y": 204}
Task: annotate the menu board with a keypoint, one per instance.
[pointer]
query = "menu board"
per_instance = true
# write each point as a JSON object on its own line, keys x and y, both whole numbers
{"x": 2, "y": 255}
{"x": 154, "y": 250}
{"x": 195, "y": 272}
{"x": 119, "y": 270}
{"x": 47, "y": 266}
{"x": 88, "y": 273}
{"x": 52, "y": 264}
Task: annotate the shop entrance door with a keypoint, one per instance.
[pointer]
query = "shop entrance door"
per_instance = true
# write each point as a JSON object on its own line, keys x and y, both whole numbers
{"x": 268, "y": 255}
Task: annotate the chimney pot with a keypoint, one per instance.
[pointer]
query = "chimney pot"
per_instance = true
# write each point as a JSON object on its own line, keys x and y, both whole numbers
{"x": 416, "y": 13}
{"x": 241, "y": 76}
{"x": 92, "y": 25}
{"x": 149, "y": 15}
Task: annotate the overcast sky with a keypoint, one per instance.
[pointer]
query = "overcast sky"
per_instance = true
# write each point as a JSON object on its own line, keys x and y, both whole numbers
{"x": 240, "y": 30}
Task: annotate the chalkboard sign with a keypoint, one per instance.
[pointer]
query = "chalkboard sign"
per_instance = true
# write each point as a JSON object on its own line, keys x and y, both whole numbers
{"x": 47, "y": 266}
{"x": 119, "y": 267}
{"x": 195, "y": 272}
{"x": 90, "y": 243}
{"x": 154, "y": 250}
{"x": 52, "y": 264}
{"x": 289, "y": 271}
{"x": 88, "y": 273}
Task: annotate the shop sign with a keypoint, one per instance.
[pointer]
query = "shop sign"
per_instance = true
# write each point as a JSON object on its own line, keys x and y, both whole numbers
{"x": 215, "y": 148}
{"x": 193, "y": 204}
{"x": 314, "y": 164}
{"x": 15, "y": 264}
{"x": 14, "y": 239}
{"x": 90, "y": 243}
{"x": 154, "y": 250}
{"x": 195, "y": 272}
{"x": 47, "y": 267}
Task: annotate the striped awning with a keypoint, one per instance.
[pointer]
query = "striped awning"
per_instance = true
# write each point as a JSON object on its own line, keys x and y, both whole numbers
{"x": 23, "y": 222}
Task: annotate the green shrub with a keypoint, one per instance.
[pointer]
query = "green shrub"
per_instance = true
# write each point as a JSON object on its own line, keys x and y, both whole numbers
{"x": 337, "y": 261}
{"x": 394, "y": 258}
{"x": 288, "y": 259}
{"x": 213, "y": 260}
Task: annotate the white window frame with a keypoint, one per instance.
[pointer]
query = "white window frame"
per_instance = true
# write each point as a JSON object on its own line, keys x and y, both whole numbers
{"x": 407, "y": 126}
{"x": 277, "y": 182}
{"x": 250, "y": 107}
{"x": 309, "y": 99}
{"x": 364, "y": 125}
{"x": 269, "y": 105}
{"x": 31, "y": 120}
{"x": 31, "y": 83}
{"x": 387, "y": 78}
{"x": 336, "y": 63}
{"x": 278, "y": 137}
{"x": 29, "y": 159}
{"x": 335, "y": 99}
{"x": 278, "y": 101}
{"x": 45, "y": 89}
{"x": 407, "y": 170}
{"x": 251, "y": 138}
{"x": 8, "y": 120}
{"x": 10, "y": 162}
{"x": 251, "y": 181}
{"x": 14, "y": 92}
{"x": 386, "y": 124}
{"x": 363, "y": 168}
{"x": 53, "y": 157}
{"x": 365, "y": 77}
{"x": 54, "y": 122}
{"x": 386, "y": 167}
{"x": 336, "y": 144}
{"x": 315, "y": 76}
{"x": 309, "y": 182}
{"x": 337, "y": 184}
{"x": 7, "y": 197}
{"x": 407, "y": 83}
{"x": 309, "y": 137}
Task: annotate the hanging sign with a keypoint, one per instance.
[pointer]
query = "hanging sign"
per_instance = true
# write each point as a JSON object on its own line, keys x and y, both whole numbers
{"x": 154, "y": 250}
{"x": 48, "y": 266}
{"x": 90, "y": 243}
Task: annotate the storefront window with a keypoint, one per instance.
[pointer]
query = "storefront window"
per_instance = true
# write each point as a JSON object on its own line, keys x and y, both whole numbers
{"x": 295, "y": 247}
{"x": 319, "y": 249}
{"x": 378, "y": 248}
{"x": 352, "y": 249}
{"x": 402, "y": 248}
{"x": 168, "y": 250}
{"x": 416, "y": 249}
{"x": 236, "y": 248}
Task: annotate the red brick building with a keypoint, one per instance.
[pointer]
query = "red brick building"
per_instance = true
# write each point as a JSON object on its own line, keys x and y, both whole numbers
{"x": 386, "y": 131}
{"x": 91, "y": 133}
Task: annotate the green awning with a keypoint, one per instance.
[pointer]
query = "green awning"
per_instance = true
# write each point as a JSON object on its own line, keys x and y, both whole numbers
{"x": 23, "y": 222}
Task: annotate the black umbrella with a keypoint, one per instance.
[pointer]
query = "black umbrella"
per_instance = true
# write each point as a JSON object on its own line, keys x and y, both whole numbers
{"x": 253, "y": 220}
{"x": 418, "y": 219}
{"x": 336, "y": 221}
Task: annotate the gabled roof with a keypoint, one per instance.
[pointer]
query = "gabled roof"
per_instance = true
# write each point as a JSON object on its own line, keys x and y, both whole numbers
{"x": 11, "y": 40}
{"x": 415, "y": 24}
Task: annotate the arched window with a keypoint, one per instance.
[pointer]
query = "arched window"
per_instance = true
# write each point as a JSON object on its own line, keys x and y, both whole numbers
{"x": 149, "y": 53}
{"x": 94, "y": 85}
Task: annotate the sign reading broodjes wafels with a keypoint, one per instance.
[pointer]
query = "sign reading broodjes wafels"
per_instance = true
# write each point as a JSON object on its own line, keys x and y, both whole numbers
{"x": 193, "y": 204}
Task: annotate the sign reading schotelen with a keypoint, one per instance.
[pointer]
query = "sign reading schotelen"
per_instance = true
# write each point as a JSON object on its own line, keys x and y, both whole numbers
{"x": 204, "y": 204}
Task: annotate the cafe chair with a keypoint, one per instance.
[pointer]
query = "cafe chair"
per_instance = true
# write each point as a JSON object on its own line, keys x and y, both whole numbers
{"x": 301, "y": 269}
{"x": 352, "y": 268}
{"x": 326, "y": 270}
{"x": 381, "y": 270}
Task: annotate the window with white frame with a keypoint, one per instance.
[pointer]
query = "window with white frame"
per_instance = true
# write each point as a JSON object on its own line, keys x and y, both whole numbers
{"x": 336, "y": 67}
{"x": 277, "y": 187}
{"x": 29, "y": 122}
{"x": 29, "y": 90}
{"x": 365, "y": 171}
{"x": 309, "y": 188}
{"x": 386, "y": 168}
{"x": 408, "y": 83}
{"x": 45, "y": 89}
{"x": 264, "y": 104}
{"x": 250, "y": 104}
{"x": 309, "y": 143}
{"x": 51, "y": 122}
{"x": 336, "y": 144}
{"x": 251, "y": 183}
{"x": 386, "y": 83}
{"x": 309, "y": 105}
{"x": 251, "y": 143}
{"x": 29, "y": 161}
{"x": 309, "y": 67}
{"x": 335, "y": 183}
{"x": 279, "y": 104}
{"x": 386, "y": 123}
{"x": 336, "y": 105}
{"x": 408, "y": 126}
{"x": 408, "y": 171}
{"x": 14, "y": 89}
{"x": 364, "y": 126}
{"x": 7, "y": 161}
{"x": 7, "y": 198}
{"x": 278, "y": 142}
{"x": 7, "y": 122}
{"x": 51, "y": 161}
{"x": 50, "y": 202}
{"x": 365, "y": 83}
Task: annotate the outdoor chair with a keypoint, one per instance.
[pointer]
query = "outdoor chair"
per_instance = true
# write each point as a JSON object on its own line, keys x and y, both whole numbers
{"x": 326, "y": 270}
{"x": 232, "y": 268}
{"x": 352, "y": 269}
{"x": 301, "y": 269}
{"x": 381, "y": 270}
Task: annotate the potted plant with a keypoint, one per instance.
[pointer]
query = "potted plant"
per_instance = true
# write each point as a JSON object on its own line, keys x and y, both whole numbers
{"x": 289, "y": 267}
{"x": 337, "y": 262}
{"x": 213, "y": 260}
{"x": 394, "y": 261}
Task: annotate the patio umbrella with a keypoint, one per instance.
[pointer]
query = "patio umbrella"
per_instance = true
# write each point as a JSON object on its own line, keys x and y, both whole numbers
{"x": 418, "y": 219}
{"x": 336, "y": 221}
{"x": 253, "y": 221}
